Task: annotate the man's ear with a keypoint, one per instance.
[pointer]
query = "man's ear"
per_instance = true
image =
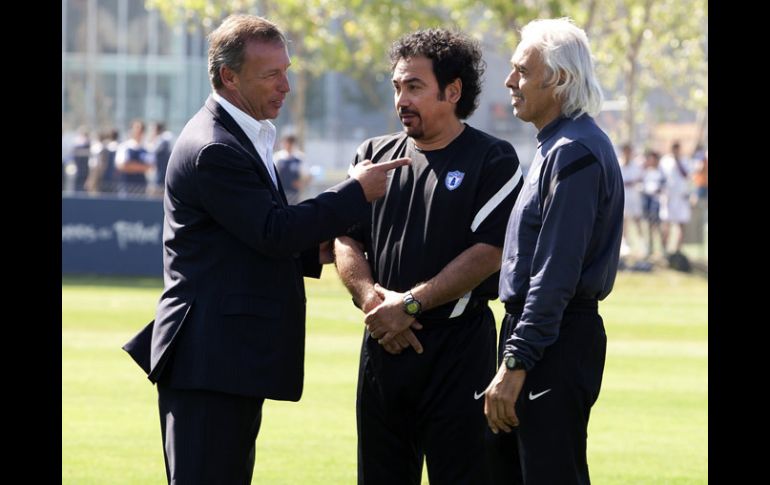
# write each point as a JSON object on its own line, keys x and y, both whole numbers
{"x": 562, "y": 78}
{"x": 228, "y": 76}
{"x": 454, "y": 90}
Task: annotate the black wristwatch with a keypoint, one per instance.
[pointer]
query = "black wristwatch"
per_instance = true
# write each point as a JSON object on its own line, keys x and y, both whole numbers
{"x": 412, "y": 305}
{"x": 512, "y": 363}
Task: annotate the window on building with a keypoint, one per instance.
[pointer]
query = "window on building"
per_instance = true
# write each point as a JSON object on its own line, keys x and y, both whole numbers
{"x": 77, "y": 26}
{"x": 107, "y": 26}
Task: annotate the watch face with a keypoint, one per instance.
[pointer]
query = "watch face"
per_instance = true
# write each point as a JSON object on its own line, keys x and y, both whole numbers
{"x": 412, "y": 307}
{"x": 510, "y": 362}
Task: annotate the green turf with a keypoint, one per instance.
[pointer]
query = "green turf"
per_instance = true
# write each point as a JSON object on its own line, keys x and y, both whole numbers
{"x": 649, "y": 426}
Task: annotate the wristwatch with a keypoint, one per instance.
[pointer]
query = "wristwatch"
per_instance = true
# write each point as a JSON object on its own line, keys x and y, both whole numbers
{"x": 412, "y": 305}
{"x": 512, "y": 363}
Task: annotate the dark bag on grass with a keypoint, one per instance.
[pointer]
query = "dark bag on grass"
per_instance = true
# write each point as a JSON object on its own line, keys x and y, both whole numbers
{"x": 679, "y": 262}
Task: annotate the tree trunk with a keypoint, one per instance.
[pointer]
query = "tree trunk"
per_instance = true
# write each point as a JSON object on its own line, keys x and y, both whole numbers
{"x": 703, "y": 127}
{"x": 630, "y": 113}
{"x": 590, "y": 20}
{"x": 299, "y": 95}
{"x": 633, "y": 72}
{"x": 298, "y": 106}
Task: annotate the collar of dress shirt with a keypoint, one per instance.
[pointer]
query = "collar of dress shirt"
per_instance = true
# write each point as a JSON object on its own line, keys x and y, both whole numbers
{"x": 260, "y": 132}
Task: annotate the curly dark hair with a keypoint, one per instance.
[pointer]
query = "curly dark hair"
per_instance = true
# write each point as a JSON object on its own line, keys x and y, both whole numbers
{"x": 454, "y": 55}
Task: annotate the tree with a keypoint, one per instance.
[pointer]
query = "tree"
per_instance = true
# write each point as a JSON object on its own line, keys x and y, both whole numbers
{"x": 639, "y": 45}
{"x": 644, "y": 45}
{"x": 505, "y": 17}
{"x": 325, "y": 35}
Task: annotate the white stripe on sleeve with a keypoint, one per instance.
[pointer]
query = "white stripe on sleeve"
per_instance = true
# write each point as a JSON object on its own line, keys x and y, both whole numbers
{"x": 461, "y": 304}
{"x": 492, "y": 203}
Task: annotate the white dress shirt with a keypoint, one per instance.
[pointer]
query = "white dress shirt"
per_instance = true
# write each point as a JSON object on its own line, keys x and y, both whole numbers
{"x": 260, "y": 132}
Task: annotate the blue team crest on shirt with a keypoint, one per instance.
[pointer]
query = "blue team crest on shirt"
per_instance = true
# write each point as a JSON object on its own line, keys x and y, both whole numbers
{"x": 454, "y": 179}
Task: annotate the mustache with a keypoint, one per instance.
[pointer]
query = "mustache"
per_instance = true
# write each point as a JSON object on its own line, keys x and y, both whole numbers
{"x": 405, "y": 111}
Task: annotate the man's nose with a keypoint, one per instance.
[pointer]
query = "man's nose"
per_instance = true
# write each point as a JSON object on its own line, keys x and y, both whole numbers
{"x": 402, "y": 99}
{"x": 284, "y": 86}
{"x": 512, "y": 81}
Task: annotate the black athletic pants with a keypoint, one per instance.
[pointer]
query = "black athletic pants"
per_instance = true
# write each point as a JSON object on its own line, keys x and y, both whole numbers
{"x": 549, "y": 445}
{"x": 412, "y": 406}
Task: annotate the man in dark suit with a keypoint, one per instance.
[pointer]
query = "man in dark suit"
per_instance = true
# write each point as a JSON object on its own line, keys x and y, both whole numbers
{"x": 229, "y": 331}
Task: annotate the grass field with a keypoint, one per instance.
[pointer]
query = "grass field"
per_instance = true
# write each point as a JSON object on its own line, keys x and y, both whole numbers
{"x": 650, "y": 425}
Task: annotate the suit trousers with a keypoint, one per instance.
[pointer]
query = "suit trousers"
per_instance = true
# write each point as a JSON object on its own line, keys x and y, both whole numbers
{"x": 208, "y": 437}
{"x": 549, "y": 445}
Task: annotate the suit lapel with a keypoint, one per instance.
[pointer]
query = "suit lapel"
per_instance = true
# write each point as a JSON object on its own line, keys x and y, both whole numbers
{"x": 230, "y": 125}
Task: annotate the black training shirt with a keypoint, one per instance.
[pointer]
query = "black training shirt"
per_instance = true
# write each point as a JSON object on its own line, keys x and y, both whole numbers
{"x": 446, "y": 201}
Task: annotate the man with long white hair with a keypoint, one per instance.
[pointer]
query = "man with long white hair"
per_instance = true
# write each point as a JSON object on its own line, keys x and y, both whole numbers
{"x": 560, "y": 258}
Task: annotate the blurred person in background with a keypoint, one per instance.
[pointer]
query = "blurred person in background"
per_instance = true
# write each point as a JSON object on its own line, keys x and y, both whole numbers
{"x": 700, "y": 179}
{"x": 675, "y": 199}
{"x": 81, "y": 154}
{"x": 653, "y": 181}
{"x": 159, "y": 151}
{"x": 632, "y": 172}
{"x": 65, "y": 157}
{"x": 699, "y": 201}
{"x": 102, "y": 177}
{"x": 131, "y": 162}
{"x": 288, "y": 161}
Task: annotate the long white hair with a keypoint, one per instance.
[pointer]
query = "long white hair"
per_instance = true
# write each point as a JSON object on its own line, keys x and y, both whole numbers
{"x": 567, "y": 57}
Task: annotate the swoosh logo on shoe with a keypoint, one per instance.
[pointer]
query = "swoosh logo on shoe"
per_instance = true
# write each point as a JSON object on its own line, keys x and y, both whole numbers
{"x": 532, "y": 397}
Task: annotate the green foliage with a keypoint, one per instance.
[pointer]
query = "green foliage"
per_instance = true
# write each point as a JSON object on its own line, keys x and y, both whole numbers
{"x": 639, "y": 45}
{"x": 325, "y": 35}
{"x": 643, "y": 45}
{"x": 351, "y": 36}
{"x": 650, "y": 424}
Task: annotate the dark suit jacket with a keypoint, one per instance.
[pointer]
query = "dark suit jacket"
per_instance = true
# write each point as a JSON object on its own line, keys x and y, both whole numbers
{"x": 232, "y": 314}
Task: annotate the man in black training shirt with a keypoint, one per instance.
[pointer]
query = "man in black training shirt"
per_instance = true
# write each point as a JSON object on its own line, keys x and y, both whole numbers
{"x": 424, "y": 268}
{"x": 560, "y": 257}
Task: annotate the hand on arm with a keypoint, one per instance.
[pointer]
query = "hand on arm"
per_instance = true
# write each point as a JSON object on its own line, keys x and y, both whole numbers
{"x": 357, "y": 277}
{"x": 461, "y": 275}
{"x": 390, "y": 324}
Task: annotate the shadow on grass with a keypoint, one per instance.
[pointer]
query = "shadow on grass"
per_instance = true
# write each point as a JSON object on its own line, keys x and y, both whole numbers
{"x": 120, "y": 281}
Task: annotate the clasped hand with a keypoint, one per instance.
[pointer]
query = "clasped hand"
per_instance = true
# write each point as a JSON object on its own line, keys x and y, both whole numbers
{"x": 390, "y": 325}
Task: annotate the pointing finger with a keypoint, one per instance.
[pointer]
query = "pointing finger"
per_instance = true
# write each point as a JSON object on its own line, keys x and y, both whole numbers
{"x": 391, "y": 164}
